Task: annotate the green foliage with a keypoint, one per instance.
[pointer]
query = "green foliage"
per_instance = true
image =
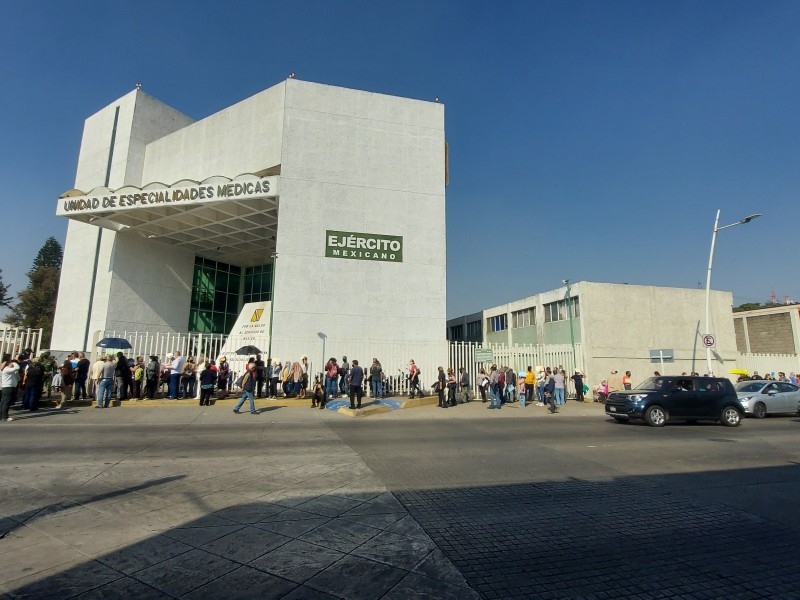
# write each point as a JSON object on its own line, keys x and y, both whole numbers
{"x": 5, "y": 299}
{"x": 748, "y": 306}
{"x": 37, "y": 303}
{"x": 50, "y": 255}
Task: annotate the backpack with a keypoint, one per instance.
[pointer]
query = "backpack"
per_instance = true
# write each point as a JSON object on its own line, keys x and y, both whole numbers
{"x": 240, "y": 382}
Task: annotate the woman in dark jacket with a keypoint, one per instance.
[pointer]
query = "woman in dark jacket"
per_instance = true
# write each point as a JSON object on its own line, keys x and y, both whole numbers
{"x": 549, "y": 394}
{"x": 451, "y": 387}
{"x": 207, "y": 378}
{"x": 440, "y": 385}
{"x": 124, "y": 376}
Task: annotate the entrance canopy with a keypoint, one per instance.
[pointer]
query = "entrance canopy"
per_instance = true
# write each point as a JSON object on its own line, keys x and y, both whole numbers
{"x": 230, "y": 220}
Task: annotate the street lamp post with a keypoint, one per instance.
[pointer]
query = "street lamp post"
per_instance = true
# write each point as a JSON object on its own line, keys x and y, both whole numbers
{"x": 571, "y": 330}
{"x": 708, "y": 277}
{"x": 272, "y": 304}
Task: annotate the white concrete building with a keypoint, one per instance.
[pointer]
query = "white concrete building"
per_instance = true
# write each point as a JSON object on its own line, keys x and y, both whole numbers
{"x": 617, "y": 326}
{"x": 174, "y": 223}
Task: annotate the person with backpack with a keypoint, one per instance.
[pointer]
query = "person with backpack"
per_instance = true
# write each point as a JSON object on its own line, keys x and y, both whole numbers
{"x": 248, "y": 384}
{"x": 511, "y": 384}
{"x": 501, "y": 385}
{"x": 549, "y": 394}
{"x": 138, "y": 378}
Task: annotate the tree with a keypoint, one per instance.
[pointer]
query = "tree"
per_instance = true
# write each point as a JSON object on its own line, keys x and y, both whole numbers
{"x": 747, "y": 306}
{"x": 36, "y": 304}
{"x": 50, "y": 255}
{"x": 5, "y": 299}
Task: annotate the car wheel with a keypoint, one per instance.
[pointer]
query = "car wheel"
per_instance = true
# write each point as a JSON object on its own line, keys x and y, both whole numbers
{"x": 655, "y": 416}
{"x": 760, "y": 410}
{"x": 730, "y": 417}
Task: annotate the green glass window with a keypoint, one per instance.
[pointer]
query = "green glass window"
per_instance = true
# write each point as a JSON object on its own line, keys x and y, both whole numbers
{"x": 215, "y": 296}
{"x": 257, "y": 284}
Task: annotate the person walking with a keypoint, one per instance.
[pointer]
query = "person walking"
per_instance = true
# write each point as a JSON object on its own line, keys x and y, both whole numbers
{"x": 452, "y": 384}
{"x": 355, "y": 383}
{"x": 248, "y": 385}
{"x": 208, "y": 377}
{"x": 9, "y": 380}
{"x": 413, "y": 380}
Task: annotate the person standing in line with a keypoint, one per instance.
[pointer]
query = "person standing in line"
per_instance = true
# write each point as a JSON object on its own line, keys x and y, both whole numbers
{"x": 494, "y": 388}
{"x": 261, "y": 376}
{"x": 541, "y": 381}
{"x": 451, "y": 387}
{"x": 376, "y": 376}
{"x": 274, "y": 376}
{"x": 463, "y": 383}
{"x": 501, "y": 384}
{"x": 34, "y": 383}
{"x": 549, "y": 394}
{"x": 559, "y": 377}
{"x": 614, "y": 382}
{"x": 199, "y": 367}
{"x": 188, "y": 378}
{"x": 304, "y": 377}
{"x": 223, "y": 377}
{"x": 577, "y": 379}
{"x": 175, "y": 371}
{"x": 208, "y": 377}
{"x": 331, "y": 378}
{"x": 9, "y": 380}
{"x": 67, "y": 381}
{"x": 483, "y": 383}
{"x": 81, "y": 375}
{"x": 106, "y": 382}
{"x": 355, "y": 383}
{"x": 97, "y": 372}
{"x": 413, "y": 380}
{"x": 511, "y": 384}
{"x": 50, "y": 367}
{"x": 626, "y": 380}
{"x": 152, "y": 376}
{"x": 137, "y": 378}
{"x": 530, "y": 386}
{"x": 248, "y": 389}
{"x": 344, "y": 370}
{"x": 441, "y": 383}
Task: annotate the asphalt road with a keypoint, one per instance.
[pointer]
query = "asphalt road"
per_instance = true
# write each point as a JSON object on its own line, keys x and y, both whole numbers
{"x": 524, "y": 504}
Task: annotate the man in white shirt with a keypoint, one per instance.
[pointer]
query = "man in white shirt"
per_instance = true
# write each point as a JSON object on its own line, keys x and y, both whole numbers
{"x": 175, "y": 370}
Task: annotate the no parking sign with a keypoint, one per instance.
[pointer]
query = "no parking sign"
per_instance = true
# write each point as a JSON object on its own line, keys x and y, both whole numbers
{"x": 709, "y": 341}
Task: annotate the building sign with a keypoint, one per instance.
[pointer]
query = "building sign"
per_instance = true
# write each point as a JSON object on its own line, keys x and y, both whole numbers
{"x": 484, "y": 355}
{"x": 363, "y": 246}
{"x": 177, "y": 195}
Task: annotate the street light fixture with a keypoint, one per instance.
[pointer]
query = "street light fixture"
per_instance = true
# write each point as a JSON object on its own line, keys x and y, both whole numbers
{"x": 708, "y": 276}
{"x": 571, "y": 331}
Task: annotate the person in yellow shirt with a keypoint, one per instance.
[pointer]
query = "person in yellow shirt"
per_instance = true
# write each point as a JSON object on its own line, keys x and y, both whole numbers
{"x": 530, "y": 386}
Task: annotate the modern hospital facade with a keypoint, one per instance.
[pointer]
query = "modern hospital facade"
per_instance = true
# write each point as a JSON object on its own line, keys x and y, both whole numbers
{"x": 318, "y": 207}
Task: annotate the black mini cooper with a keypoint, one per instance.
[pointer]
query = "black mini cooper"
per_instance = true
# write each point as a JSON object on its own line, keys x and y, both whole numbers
{"x": 660, "y": 399}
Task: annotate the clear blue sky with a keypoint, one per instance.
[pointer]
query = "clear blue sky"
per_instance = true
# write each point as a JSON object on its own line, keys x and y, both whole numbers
{"x": 589, "y": 140}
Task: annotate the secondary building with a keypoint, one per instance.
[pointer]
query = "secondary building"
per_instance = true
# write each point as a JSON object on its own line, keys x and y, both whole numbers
{"x": 613, "y": 327}
{"x": 309, "y": 204}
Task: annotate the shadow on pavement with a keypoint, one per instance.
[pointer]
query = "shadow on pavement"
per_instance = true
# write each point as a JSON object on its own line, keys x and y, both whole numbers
{"x": 676, "y": 536}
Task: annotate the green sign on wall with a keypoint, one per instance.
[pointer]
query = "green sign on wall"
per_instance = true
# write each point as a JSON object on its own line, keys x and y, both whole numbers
{"x": 363, "y": 246}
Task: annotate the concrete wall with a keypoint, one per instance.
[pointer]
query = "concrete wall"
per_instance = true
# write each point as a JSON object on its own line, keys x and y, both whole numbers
{"x": 774, "y": 330}
{"x": 141, "y": 120}
{"x": 363, "y": 162}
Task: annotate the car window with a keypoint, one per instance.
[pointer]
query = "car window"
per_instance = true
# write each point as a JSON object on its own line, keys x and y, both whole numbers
{"x": 749, "y": 387}
{"x": 651, "y": 383}
{"x": 787, "y": 387}
{"x": 684, "y": 385}
{"x": 772, "y": 387}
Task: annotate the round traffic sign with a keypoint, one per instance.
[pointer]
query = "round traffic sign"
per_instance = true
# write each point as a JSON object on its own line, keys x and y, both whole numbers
{"x": 709, "y": 341}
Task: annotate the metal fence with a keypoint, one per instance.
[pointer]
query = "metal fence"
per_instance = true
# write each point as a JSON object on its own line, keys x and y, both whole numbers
{"x": 14, "y": 340}
{"x": 769, "y": 363}
{"x": 518, "y": 358}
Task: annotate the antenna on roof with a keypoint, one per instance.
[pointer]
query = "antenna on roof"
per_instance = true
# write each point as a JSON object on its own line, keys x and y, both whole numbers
{"x": 138, "y": 85}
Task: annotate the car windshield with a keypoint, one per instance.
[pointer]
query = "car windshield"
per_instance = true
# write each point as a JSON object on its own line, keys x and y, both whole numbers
{"x": 749, "y": 387}
{"x": 652, "y": 383}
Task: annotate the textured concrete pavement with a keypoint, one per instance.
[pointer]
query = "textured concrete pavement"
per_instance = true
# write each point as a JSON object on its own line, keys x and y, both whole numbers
{"x": 191, "y": 502}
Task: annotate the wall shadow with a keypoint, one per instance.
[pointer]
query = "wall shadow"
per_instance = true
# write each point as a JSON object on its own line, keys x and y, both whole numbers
{"x": 665, "y": 536}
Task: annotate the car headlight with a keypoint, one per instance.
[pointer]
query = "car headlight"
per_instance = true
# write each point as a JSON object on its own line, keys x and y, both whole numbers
{"x": 745, "y": 400}
{"x": 637, "y": 397}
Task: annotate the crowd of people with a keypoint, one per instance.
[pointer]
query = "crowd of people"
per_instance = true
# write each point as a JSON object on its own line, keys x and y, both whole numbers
{"x": 542, "y": 386}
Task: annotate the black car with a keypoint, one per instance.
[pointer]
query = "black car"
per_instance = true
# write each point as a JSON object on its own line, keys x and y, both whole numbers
{"x": 660, "y": 399}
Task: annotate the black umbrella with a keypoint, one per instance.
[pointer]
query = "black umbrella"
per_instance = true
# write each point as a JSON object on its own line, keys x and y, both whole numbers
{"x": 113, "y": 342}
{"x": 248, "y": 350}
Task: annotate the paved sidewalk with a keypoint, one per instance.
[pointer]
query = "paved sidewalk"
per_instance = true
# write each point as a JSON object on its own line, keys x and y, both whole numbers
{"x": 179, "y": 503}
